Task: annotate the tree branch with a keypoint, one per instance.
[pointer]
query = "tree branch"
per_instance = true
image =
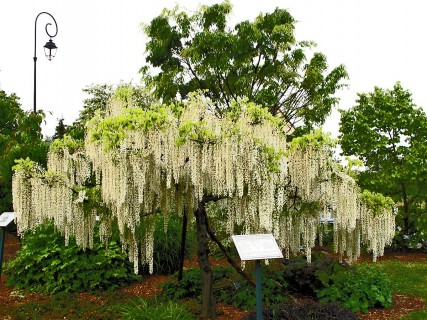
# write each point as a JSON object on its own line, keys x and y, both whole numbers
{"x": 229, "y": 258}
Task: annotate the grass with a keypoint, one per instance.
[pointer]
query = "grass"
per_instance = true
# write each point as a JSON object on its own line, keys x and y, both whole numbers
{"x": 409, "y": 278}
{"x": 142, "y": 310}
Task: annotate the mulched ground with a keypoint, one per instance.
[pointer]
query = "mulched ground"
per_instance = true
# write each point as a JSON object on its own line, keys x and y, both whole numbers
{"x": 149, "y": 287}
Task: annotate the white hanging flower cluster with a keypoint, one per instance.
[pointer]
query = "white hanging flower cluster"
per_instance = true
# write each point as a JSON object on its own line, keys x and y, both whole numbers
{"x": 169, "y": 158}
{"x": 320, "y": 181}
{"x": 149, "y": 170}
{"x": 41, "y": 195}
{"x": 75, "y": 166}
{"x": 30, "y": 194}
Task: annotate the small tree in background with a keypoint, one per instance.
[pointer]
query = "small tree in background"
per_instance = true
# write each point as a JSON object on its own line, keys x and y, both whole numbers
{"x": 60, "y": 129}
{"x": 259, "y": 59}
{"x": 388, "y": 133}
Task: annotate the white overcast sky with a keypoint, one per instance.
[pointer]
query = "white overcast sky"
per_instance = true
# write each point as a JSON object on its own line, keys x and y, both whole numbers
{"x": 100, "y": 41}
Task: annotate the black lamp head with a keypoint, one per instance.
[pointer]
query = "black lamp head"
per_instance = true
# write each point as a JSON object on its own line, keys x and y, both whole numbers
{"x": 50, "y": 49}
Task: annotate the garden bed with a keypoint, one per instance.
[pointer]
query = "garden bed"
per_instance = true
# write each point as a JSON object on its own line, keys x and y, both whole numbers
{"x": 18, "y": 304}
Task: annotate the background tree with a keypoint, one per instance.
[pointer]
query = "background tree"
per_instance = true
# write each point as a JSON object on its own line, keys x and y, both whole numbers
{"x": 60, "y": 129}
{"x": 98, "y": 96}
{"x": 20, "y": 137}
{"x": 388, "y": 133}
{"x": 259, "y": 59}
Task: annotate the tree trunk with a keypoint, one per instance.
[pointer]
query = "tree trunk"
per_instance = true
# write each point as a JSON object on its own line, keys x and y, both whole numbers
{"x": 183, "y": 240}
{"x": 405, "y": 216}
{"x": 208, "y": 299}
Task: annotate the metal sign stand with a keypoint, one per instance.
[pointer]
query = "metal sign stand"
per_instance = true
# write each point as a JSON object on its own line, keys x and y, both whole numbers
{"x": 5, "y": 219}
{"x": 258, "y": 290}
{"x": 257, "y": 247}
{"x": 2, "y": 236}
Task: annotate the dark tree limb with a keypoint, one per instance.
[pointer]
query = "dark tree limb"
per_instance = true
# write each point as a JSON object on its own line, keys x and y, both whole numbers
{"x": 229, "y": 258}
{"x": 221, "y": 246}
{"x": 183, "y": 241}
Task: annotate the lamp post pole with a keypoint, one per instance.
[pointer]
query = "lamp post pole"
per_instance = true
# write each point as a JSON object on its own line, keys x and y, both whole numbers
{"x": 50, "y": 49}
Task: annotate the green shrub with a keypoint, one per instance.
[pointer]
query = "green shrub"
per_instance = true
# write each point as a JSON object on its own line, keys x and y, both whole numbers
{"x": 273, "y": 292}
{"x": 225, "y": 289}
{"x": 45, "y": 264}
{"x": 358, "y": 289}
{"x": 167, "y": 246}
{"x": 143, "y": 310}
{"x": 416, "y": 235}
{"x": 305, "y": 311}
{"x": 308, "y": 278}
{"x": 190, "y": 285}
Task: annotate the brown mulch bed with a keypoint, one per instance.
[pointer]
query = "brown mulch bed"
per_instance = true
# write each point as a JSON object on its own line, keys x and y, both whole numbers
{"x": 149, "y": 287}
{"x": 402, "y": 305}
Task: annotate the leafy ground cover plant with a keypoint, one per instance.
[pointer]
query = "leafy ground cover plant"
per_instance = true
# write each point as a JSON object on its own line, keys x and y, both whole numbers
{"x": 228, "y": 288}
{"x": 274, "y": 292}
{"x": 190, "y": 286}
{"x": 142, "y": 309}
{"x": 45, "y": 264}
{"x": 358, "y": 289}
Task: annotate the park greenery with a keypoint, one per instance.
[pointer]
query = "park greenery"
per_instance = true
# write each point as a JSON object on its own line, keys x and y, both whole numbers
{"x": 355, "y": 288}
{"x": 45, "y": 264}
{"x": 260, "y": 60}
{"x": 223, "y": 137}
{"x": 143, "y": 162}
{"x": 20, "y": 137}
{"x": 388, "y": 133}
{"x": 404, "y": 279}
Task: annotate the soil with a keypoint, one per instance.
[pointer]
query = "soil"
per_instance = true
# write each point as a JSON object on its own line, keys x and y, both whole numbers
{"x": 149, "y": 287}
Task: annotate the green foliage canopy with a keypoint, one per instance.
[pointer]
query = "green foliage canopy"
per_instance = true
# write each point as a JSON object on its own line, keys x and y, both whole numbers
{"x": 259, "y": 59}
{"x": 20, "y": 137}
{"x": 98, "y": 96}
{"x": 388, "y": 133}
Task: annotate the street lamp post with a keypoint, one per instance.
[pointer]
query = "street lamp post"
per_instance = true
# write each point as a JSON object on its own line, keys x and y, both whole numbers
{"x": 49, "y": 48}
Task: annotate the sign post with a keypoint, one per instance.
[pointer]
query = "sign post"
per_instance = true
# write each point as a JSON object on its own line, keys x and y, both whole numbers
{"x": 5, "y": 219}
{"x": 257, "y": 247}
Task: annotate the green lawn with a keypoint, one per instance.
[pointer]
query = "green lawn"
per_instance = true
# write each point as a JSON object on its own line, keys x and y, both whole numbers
{"x": 409, "y": 278}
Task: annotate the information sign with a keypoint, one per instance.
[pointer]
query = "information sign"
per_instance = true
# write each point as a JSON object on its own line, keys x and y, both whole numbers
{"x": 257, "y": 247}
{"x": 6, "y": 218}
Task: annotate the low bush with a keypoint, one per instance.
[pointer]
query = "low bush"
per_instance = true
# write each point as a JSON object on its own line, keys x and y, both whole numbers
{"x": 273, "y": 292}
{"x": 307, "y": 278}
{"x": 190, "y": 285}
{"x": 45, "y": 264}
{"x": 305, "y": 311}
{"x": 358, "y": 289}
{"x": 227, "y": 288}
{"x": 142, "y": 310}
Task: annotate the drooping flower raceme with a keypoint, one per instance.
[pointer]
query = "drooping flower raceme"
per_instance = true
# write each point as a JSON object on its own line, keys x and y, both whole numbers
{"x": 167, "y": 158}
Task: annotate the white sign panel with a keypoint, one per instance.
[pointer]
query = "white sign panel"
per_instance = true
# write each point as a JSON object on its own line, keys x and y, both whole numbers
{"x": 6, "y": 218}
{"x": 257, "y": 247}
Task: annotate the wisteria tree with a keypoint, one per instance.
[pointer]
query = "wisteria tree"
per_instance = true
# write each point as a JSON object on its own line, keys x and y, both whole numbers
{"x": 170, "y": 159}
